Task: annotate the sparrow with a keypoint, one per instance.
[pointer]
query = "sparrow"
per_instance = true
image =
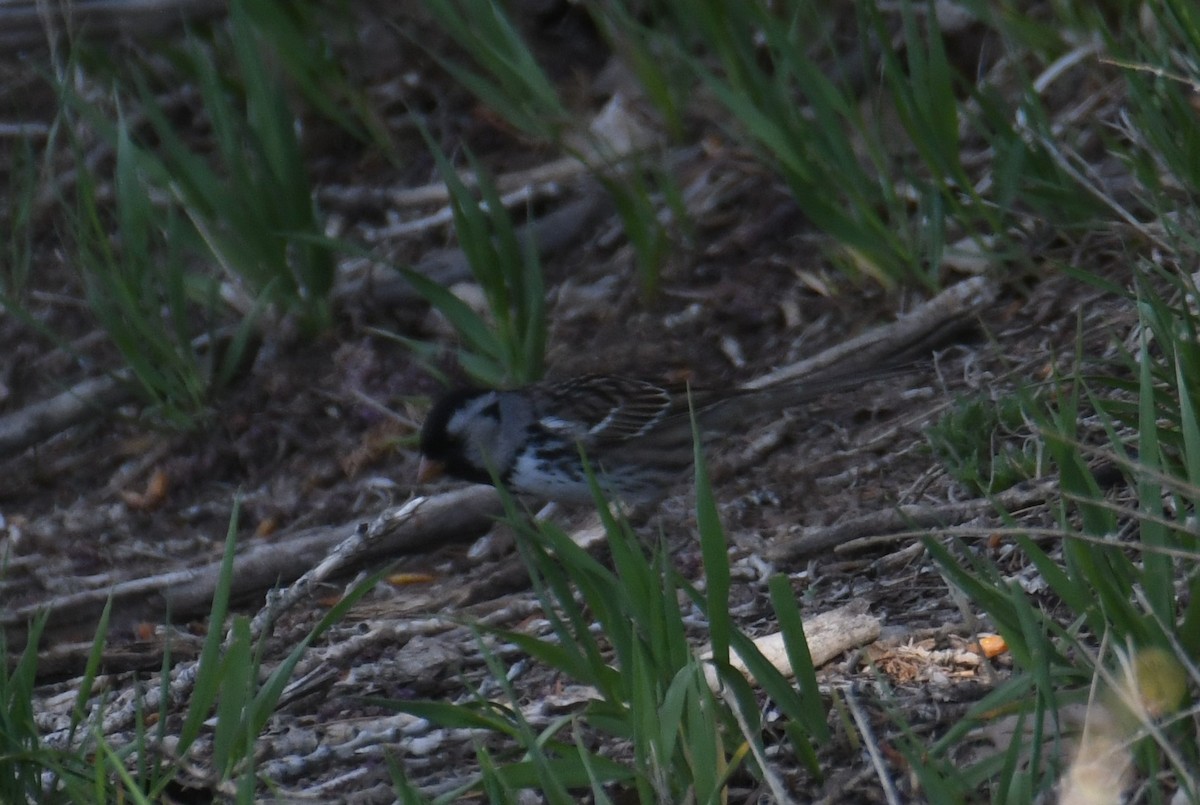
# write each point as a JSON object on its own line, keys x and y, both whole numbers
{"x": 636, "y": 434}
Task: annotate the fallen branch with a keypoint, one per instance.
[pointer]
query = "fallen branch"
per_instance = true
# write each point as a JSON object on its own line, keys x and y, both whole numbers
{"x": 390, "y": 533}
{"x": 906, "y": 339}
{"x": 36, "y": 23}
{"x": 43, "y": 419}
{"x": 512, "y": 574}
{"x": 456, "y": 516}
{"x": 819, "y": 540}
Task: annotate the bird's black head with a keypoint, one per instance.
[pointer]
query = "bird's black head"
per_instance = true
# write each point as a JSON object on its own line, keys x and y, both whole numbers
{"x": 452, "y": 427}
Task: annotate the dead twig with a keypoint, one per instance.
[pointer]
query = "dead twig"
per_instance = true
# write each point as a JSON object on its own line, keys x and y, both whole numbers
{"x": 89, "y": 399}
{"x": 364, "y": 544}
{"x": 81, "y": 402}
{"x": 512, "y": 574}
{"x": 459, "y": 515}
{"x": 905, "y": 339}
{"x": 872, "y": 746}
{"x": 818, "y": 540}
{"x": 24, "y": 25}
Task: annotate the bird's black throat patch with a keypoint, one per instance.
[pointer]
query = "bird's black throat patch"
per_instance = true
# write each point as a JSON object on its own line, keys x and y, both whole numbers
{"x": 438, "y": 444}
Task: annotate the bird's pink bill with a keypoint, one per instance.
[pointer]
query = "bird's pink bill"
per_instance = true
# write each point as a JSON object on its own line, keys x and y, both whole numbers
{"x": 429, "y": 470}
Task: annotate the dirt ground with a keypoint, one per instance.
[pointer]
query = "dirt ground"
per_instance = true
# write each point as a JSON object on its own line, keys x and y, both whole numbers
{"x": 318, "y": 436}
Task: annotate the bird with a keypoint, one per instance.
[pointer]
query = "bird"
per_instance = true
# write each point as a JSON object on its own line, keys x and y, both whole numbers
{"x": 635, "y": 434}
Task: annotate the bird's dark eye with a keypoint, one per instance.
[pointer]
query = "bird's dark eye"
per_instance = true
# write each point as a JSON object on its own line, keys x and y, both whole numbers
{"x": 492, "y": 411}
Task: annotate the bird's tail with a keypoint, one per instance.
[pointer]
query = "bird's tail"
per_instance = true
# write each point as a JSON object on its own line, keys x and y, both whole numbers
{"x": 793, "y": 393}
